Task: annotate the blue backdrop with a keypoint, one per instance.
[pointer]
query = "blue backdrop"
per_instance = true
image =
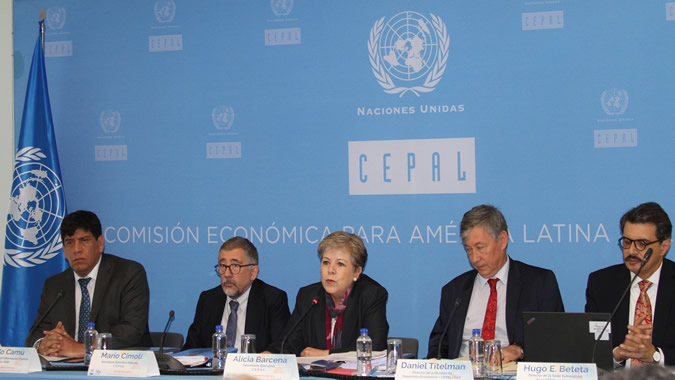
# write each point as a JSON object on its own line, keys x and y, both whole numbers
{"x": 182, "y": 123}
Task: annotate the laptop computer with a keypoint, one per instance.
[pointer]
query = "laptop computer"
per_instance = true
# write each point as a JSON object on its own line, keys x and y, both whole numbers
{"x": 567, "y": 338}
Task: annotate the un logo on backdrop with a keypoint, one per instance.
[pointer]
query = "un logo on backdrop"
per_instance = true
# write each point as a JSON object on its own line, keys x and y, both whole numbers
{"x": 110, "y": 121}
{"x": 614, "y": 101}
{"x": 281, "y": 7}
{"x": 56, "y": 18}
{"x": 165, "y": 11}
{"x": 408, "y": 53}
{"x": 223, "y": 117}
{"x": 35, "y": 211}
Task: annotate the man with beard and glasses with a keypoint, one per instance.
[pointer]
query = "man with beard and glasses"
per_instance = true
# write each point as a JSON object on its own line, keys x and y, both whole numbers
{"x": 242, "y": 303}
{"x": 643, "y": 329}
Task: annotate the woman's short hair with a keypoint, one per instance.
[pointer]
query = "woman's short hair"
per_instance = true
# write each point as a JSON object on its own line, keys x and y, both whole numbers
{"x": 351, "y": 242}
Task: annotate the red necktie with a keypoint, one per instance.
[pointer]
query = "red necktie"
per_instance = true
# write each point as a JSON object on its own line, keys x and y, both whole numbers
{"x": 643, "y": 309}
{"x": 488, "y": 332}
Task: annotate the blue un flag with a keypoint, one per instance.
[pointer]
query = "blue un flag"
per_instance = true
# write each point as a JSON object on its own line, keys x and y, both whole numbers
{"x": 33, "y": 249}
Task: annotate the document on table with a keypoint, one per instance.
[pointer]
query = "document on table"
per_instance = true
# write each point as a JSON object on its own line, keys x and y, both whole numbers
{"x": 379, "y": 358}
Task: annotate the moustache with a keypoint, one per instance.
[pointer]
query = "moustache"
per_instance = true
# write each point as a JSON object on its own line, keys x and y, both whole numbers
{"x": 632, "y": 257}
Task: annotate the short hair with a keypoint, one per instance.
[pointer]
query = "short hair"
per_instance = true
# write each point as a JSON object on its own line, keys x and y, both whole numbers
{"x": 243, "y": 243}
{"x": 486, "y": 216}
{"x": 649, "y": 213}
{"x": 81, "y": 219}
{"x": 353, "y": 243}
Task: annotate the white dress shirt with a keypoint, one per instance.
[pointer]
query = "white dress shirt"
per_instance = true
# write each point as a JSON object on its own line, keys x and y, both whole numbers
{"x": 241, "y": 316}
{"x": 479, "y": 300}
{"x": 78, "y": 293}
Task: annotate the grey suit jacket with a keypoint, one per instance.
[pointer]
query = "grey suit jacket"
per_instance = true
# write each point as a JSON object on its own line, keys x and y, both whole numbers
{"x": 120, "y": 304}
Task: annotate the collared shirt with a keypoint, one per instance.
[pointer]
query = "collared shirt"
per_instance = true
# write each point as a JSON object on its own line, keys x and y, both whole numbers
{"x": 241, "y": 315}
{"x": 651, "y": 293}
{"x": 479, "y": 300}
{"x": 78, "y": 292}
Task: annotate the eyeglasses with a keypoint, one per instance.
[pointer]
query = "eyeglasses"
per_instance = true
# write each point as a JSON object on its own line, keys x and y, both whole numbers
{"x": 234, "y": 268}
{"x": 640, "y": 245}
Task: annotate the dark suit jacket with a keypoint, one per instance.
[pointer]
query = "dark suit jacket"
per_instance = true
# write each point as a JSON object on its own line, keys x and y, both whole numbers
{"x": 366, "y": 308}
{"x": 528, "y": 288}
{"x": 604, "y": 290}
{"x": 266, "y": 315}
{"x": 120, "y": 304}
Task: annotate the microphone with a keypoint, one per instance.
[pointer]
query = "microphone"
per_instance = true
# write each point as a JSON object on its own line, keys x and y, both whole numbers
{"x": 646, "y": 257}
{"x": 59, "y": 295}
{"x": 168, "y": 323}
{"x": 302, "y": 317}
{"x": 445, "y": 329}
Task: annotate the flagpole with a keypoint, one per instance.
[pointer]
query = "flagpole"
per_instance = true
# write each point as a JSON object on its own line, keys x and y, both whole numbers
{"x": 43, "y": 15}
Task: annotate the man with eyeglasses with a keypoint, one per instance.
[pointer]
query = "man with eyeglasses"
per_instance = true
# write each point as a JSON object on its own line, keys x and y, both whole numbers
{"x": 242, "y": 303}
{"x": 643, "y": 329}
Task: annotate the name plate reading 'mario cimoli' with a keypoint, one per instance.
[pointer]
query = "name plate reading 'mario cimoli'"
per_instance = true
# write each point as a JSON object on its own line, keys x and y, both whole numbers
{"x": 122, "y": 363}
{"x": 553, "y": 371}
{"x": 433, "y": 369}
{"x": 19, "y": 360}
{"x": 268, "y": 367}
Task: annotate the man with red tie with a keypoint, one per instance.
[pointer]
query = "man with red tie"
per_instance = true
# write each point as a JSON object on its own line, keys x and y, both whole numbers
{"x": 643, "y": 328}
{"x": 493, "y": 295}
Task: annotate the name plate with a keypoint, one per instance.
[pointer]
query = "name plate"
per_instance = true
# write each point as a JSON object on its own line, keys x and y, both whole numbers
{"x": 407, "y": 369}
{"x": 272, "y": 367}
{"x": 122, "y": 363}
{"x": 567, "y": 371}
{"x": 19, "y": 360}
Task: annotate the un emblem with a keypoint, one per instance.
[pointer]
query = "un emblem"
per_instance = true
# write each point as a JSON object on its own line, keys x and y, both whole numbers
{"x": 408, "y": 52}
{"x": 614, "y": 101}
{"x": 110, "y": 121}
{"x": 56, "y": 18}
{"x": 165, "y": 11}
{"x": 223, "y": 117}
{"x": 36, "y": 209}
{"x": 281, "y": 7}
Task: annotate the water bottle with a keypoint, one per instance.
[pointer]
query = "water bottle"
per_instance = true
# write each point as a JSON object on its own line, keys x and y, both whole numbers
{"x": 477, "y": 353}
{"x": 90, "y": 342}
{"x": 364, "y": 352}
{"x": 219, "y": 348}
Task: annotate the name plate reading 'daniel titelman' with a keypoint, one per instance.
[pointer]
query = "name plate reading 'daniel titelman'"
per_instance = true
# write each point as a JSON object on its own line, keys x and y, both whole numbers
{"x": 122, "y": 363}
{"x": 267, "y": 367}
{"x": 19, "y": 360}
{"x": 553, "y": 371}
{"x": 433, "y": 369}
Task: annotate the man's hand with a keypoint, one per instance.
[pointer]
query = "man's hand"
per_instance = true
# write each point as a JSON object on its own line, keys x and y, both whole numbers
{"x": 511, "y": 353}
{"x": 57, "y": 342}
{"x": 311, "y": 351}
{"x": 637, "y": 344}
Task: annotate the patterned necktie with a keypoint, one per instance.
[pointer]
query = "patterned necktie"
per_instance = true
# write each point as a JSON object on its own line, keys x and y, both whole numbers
{"x": 231, "y": 330}
{"x": 488, "y": 332}
{"x": 643, "y": 309}
{"x": 85, "y": 308}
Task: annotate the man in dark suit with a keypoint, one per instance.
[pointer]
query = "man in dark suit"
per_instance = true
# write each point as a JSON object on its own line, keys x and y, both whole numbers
{"x": 119, "y": 287}
{"x": 493, "y": 295}
{"x": 242, "y": 303}
{"x": 638, "y": 335}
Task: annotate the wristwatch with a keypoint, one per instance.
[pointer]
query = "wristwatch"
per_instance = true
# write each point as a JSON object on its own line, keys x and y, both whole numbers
{"x": 656, "y": 355}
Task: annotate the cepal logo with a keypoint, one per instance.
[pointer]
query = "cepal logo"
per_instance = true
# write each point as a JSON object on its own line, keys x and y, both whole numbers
{"x": 408, "y": 53}
{"x": 281, "y": 7}
{"x": 614, "y": 101}
{"x": 223, "y": 117}
{"x": 110, "y": 121}
{"x": 165, "y": 11}
{"x": 56, "y": 18}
